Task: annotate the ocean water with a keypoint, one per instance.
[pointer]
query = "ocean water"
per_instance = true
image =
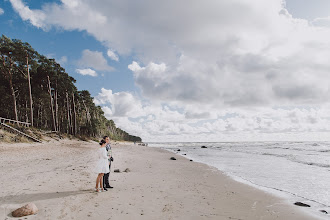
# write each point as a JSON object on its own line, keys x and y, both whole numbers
{"x": 300, "y": 171}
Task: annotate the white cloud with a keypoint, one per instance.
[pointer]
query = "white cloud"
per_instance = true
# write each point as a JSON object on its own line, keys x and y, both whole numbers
{"x": 95, "y": 60}
{"x": 323, "y": 22}
{"x": 36, "y": 17}
{"x": 70, "y": 3}
{"x": 164, "y": 122}
{"x": 122, "y": 104}
{"x": 1, "y": 11}
{"x": 86, "y": 72}
{"x": 63, "y": 60}
{"x": 208, "y": 52}
{"x": 112, "y": 55}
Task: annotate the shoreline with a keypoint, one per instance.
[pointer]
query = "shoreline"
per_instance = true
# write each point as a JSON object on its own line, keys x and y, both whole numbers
{"x": 290, "y": 197}
{"x": 57, "y": 177}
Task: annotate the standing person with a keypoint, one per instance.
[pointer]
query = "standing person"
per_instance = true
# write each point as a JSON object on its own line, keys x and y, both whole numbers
{"x": 102, "y": 166}
{"x": 110, "y": 158}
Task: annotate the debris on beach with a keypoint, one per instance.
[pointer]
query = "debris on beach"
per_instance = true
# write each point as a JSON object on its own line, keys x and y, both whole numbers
{"x": 127, "y": 170}
{"x": 302, "y": 204}
{"x": 178, "y": 150}
{"x": 173, "y": 158}
{"x": 28, "y": 209}
{"x": 203, "y": 147}
{"x": 116, "y": 171}
{"x": 323, "y": 211}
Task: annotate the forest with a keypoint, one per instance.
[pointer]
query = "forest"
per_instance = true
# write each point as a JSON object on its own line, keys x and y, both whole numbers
{"x": 37, "y": 90}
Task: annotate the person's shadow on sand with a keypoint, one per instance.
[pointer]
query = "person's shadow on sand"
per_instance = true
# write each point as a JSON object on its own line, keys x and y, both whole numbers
{"x": 25, "y": 198}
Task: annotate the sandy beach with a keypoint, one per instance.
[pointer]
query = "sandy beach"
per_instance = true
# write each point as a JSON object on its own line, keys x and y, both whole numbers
{"x": 58, "y": 177}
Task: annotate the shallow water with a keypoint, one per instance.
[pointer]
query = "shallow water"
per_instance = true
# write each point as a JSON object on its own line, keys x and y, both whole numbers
{"x": 299, "y": 169}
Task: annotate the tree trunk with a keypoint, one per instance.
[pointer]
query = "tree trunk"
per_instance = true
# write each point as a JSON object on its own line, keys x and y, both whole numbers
{"x": 87, "y": 112}
{"x": 38, "y": 115}
{"x": 30, "y": 91}
{"x": 56, "y": 111}
{"x": 10, "y": 79}
{"x": 14, "y": 97}
{"x": 51, "y": 103}
{"x": 75, "y": 115}
{"x": 26, "y": 113}
{"x": 67, "y": 105}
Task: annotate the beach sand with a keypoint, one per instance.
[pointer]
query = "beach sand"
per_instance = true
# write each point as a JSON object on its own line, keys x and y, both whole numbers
{"x": 57, "y": 176}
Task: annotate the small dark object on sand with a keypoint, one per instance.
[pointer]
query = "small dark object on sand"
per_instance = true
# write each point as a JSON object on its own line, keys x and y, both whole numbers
{"x": 173, "y": 158}
{"x": 302, "y": 204}
{"x": 28, "y": 209}
{"x": 127, "y": 170}
{"x": 178, "y": 150}
{"x": 203, "y": 147}
{"x": 191, "y": 160}
{"x": 323, "y": 211}
{"x": 116, "y": 171}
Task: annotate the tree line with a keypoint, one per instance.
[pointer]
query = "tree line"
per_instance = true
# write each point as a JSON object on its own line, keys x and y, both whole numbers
{"x": 37, "y": 90}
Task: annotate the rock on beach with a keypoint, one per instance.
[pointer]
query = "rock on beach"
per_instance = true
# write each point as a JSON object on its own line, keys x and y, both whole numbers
{"x": 28, "y": 209}
{"x": 302, "y": 204}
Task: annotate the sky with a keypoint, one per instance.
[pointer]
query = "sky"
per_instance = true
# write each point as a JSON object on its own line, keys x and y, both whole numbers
{"x": 191, "y": 70}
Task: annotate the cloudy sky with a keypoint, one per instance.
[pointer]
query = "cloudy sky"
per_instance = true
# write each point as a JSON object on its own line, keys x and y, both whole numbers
{"x": 191, "y": 70}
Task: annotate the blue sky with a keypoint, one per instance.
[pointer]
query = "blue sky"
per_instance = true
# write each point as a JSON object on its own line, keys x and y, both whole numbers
{"x": 211, "y": 71}
{"x": 57, "y": 43}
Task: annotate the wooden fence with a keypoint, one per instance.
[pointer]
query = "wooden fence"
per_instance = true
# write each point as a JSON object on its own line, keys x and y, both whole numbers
{"x": 4, "y": 120}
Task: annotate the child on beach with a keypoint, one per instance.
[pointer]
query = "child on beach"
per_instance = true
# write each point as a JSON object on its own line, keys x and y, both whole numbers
{"x": 102, "y": 166}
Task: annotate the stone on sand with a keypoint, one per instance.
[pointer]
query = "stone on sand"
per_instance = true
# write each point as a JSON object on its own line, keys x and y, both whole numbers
{"x": 302, "y": 204}
{"x": 28, "y": 209}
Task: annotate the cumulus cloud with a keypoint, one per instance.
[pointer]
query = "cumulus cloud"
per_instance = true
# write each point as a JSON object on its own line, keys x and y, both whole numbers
{"x": 63, "y": 60}
{"x": 1, "y": 11}
{"x": 122, "y": 104}
{"x": 165, "y": 122}
{"x": 323, "y": 22}
{"x": 86, "y": 72}
{"x": 57, "y": 15}
{"x": 36, "y": 17}
{"x": 95, "y": 60}
{"x": 209, "y": 52}
{"x": 112, "y": 55}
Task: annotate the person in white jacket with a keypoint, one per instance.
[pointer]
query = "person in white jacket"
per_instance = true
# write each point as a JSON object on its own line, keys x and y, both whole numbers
{"x": 102, "y": 166}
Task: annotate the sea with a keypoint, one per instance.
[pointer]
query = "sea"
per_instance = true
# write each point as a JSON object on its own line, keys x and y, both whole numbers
{"x": 296, "y": 171}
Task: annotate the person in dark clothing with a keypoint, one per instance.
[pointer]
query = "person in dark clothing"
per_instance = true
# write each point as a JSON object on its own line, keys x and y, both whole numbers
{"x": 110, "y": 159}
